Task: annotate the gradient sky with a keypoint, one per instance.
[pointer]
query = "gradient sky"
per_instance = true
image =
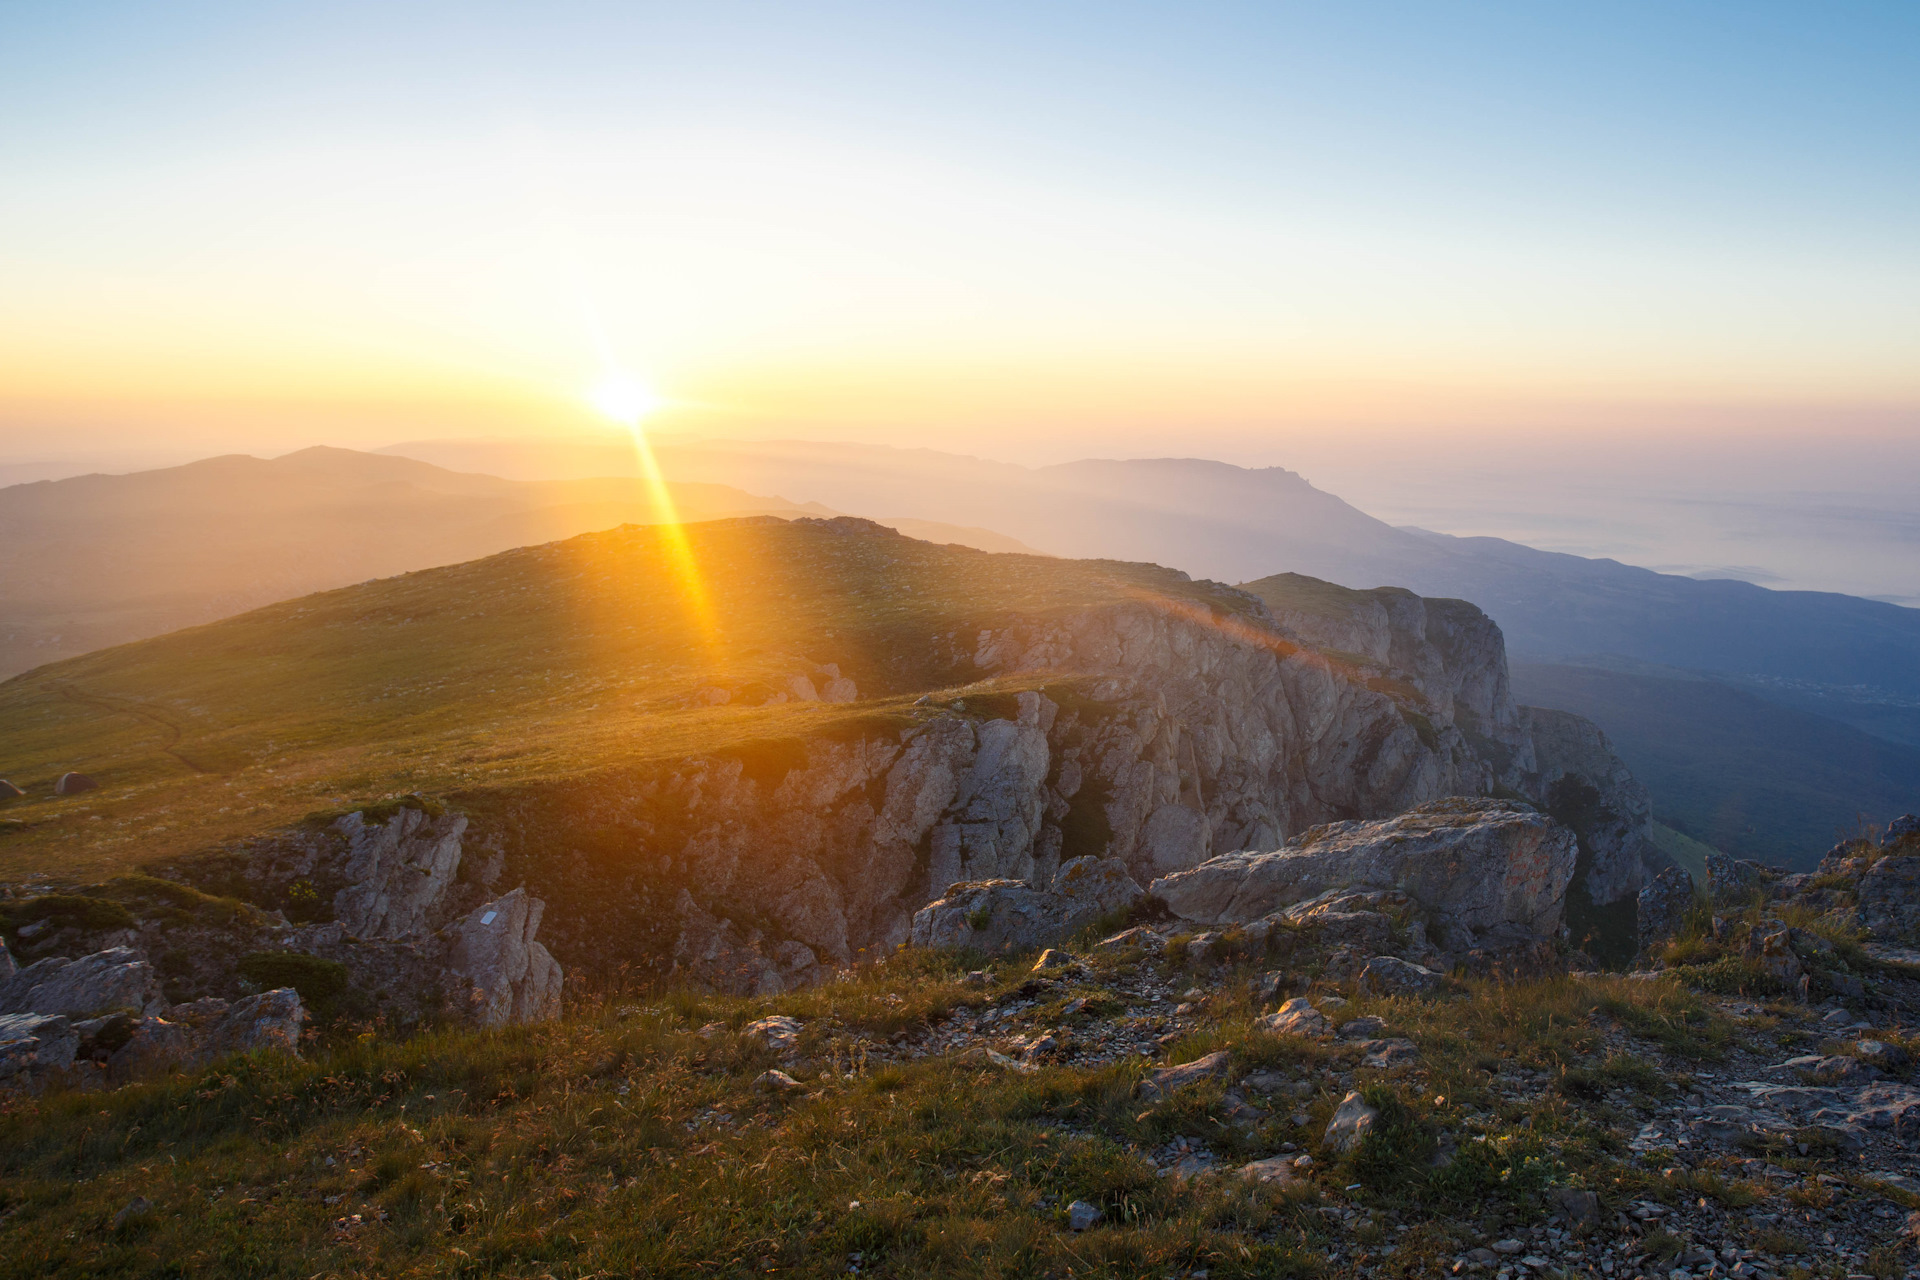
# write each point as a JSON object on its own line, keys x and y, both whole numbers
{"x": 1030, "y": 231}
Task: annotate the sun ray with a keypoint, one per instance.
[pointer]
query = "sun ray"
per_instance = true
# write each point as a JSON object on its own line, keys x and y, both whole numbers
{"x": 627, "y": 401}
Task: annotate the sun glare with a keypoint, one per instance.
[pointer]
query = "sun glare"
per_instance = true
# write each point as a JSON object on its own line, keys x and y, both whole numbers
{"x": 624, "y": 400}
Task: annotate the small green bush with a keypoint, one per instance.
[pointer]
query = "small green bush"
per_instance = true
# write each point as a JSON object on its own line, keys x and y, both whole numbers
{"x": 320, "y": 982}
{"x": 67, "y": 910}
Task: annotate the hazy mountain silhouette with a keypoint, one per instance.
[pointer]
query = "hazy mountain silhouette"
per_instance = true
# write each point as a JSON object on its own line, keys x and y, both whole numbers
{"x": 1236, "y": 524}
{"x": 98, "y": 560}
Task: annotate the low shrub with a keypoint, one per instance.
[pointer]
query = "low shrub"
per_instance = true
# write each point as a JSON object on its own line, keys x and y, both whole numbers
{"x": 66, "y": 910}
{"x": 321, "y": 983}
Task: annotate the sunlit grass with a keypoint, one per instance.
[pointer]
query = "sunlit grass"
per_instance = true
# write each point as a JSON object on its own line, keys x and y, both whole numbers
{"x": 546, "y": 662}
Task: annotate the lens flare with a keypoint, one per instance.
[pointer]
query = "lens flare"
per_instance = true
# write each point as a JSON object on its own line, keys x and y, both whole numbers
{"x": 628, "y": 401}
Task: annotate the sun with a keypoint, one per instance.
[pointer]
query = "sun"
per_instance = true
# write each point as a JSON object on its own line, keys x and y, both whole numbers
{"x": 624, "y": 399}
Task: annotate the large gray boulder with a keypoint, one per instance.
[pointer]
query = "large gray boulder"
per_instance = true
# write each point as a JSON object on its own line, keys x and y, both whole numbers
{"x": 500, "y": 975}
{"x": 1482, "y": 863}
{"x": 1010, "y": 915}
{"x": 117, "y": 978}
{"x": 398, "y": 871}
{"x": 32, "y": 1044}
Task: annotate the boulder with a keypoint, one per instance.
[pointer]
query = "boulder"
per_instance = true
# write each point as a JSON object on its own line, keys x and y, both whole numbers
{"x": 1731, "y": 879}
{"x": 778, "y": 1033}
{"x": 156, "y": 1045}
{"x": 398, "y": 871}
{"x": 1482, "y": 862}
{"x": 498, "y": 973}
{"x": 34, "y": 1044}
{"x": 1082, "y": 1216}
{"x": 8, "y": 791}
{"x": 1390, "y": 975}
{"x": 1393, "y": 1052}
{"x": 1351, "y": 1122}
{"x": 775, "y": 1081}
{"x": 268, "y": 1023}
{"x": 1295, "y": 1018}
{"x": 1009, "y": 915}
{"x": 1888, "y": 898}
{"x": 1274, "y": 1170}
{"x": 1053, "y": 959}
{"x": 1663, "y": 906}
{"x": 1163, "y": 1082}
{"x": 1902, "y": 827}
{"x": 117, "y": 978}
{"x": 1771, "y": 945}
{"x": 72, "y": 784}
{"x": 1268, "y": 988}
{"x": 1363, "y": 1028}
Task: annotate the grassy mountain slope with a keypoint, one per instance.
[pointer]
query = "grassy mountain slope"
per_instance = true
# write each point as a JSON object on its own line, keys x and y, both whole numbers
{"x": 1726, "y": 767}
{"x": 548, "y": 661}
{"x": 98, "y": 560}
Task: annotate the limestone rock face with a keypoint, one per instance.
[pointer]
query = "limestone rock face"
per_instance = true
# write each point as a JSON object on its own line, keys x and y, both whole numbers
{"x": 34, "y": 1044}
{"x": 1009, "y": 915}
{"x": 1580, "y": 780}
{"x": 1481, "y": 862}
{"x": 118, "y": 978}
{"x": 500, "y": 974}
{"x": 397, "y": 871}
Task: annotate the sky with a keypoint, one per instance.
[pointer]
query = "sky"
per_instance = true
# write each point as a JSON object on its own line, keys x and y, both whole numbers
{"x": 1389, "y": 244}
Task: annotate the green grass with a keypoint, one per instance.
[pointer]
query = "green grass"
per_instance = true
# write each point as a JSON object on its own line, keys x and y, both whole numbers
{"x": 548, "y": 662}
{"x": 1690, "y": 854}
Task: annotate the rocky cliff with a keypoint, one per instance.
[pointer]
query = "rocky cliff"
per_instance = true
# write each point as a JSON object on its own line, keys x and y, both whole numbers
{"x": 1155, "y": 734}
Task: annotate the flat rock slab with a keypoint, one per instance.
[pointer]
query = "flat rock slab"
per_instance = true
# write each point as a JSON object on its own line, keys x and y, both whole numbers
{"x": 1483, "y": 862}
{"x": 1163, "y": 1082}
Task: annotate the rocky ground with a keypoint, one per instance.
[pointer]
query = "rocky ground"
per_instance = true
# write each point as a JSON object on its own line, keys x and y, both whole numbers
{"x": 1409, "y": 1073}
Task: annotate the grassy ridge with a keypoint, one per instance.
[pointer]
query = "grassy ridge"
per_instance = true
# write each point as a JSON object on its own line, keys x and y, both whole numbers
{"x": 545, "y": 662}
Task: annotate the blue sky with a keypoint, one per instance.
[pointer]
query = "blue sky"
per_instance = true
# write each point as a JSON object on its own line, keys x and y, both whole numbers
{"x": 924, "y": 222}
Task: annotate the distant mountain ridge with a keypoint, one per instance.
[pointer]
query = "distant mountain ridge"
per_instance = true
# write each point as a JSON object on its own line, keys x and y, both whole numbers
{"x": 1235, "y": 524}
{"x": 99, "y": 560}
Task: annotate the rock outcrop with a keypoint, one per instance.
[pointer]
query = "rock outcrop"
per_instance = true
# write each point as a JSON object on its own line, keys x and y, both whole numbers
{"x": 500, "y": 974}
{"x": 1472, "y": 864}
{"x": 119, "y": 978}
{"x": 34, "y": 1046}
{"x": 1154, "y": 734}
{"x": 1009, "y": 915}
{"x": 398, "y": 869}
